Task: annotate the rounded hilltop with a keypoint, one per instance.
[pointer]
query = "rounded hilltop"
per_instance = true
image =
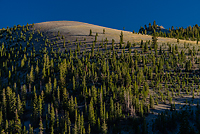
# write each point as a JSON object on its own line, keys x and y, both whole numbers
{"x": 74, "y": 30}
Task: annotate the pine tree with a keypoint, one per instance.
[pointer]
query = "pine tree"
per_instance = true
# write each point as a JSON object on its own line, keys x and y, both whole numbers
{"x": 98, "y": 124}
{"x": 83, "y": 131}
{"x": 6, "y": 126}
{"x": 4, "y": 103}
{"x": 96, "y": 37}
{"x": 1, "y": 119}
{"x": 31, "y": 76}
{"x": 44, "y": 72}
{"x": 79, "y": 123}
{"x": 103, "y": 31}
{"x": 141, "y": 44}
{"x": 52, "y": 130}
{"x": 52, "y": 116}
{"x": 111, "y": 108}
{"x": 121, "y": 38}
{"x": 30, "y": 129}
{"x": 128, "y": 79}
{"x": 74, "y": 83}
{"x": 82, "y": 123}
{"x": 178, "y": 40}
{"x": 91, "y": 116}
{"x": 24, "y": 131}
{"x": 145, "y": 47}
{"x": 58, "y": 94}
{"x": 93, "y": 45}
{"x": 75, "y": 128}
{"x": 64, "y": 42}
{"x": 40, "y": 106}
{"x": 141, "y": 109}
{"x": 90, "y": 32}
{"x": 89, "y": 129}
{"x": 23, "y": 95}
{"x": 154, "y": 24}
{"x": 35, "y": 108}
{"x": 12, "y": 103}
{"x": 65, "y": 128}
{"x": 151, "y": 102}
{"x": 65, "y": 99}
{"x": 104, "y": 127}
{"x": 154, "y": 41}
{"x": 17, "y": 125}
{"x": 188, "y": 65}
{"x": 41, "y": 126}
{"x": 19, "y": 105}
{"x": 57, "y": 122}
{"x": 135, "y": 88}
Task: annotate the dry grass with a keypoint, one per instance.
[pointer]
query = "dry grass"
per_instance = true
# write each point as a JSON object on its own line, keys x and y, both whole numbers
{"x": 79, "y": 30}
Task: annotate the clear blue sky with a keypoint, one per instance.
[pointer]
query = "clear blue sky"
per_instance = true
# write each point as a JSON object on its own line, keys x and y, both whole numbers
{"x": 117, "y": 14}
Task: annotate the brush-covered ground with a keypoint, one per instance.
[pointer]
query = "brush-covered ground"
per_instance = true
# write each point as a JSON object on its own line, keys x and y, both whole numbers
{"x": 73, "y": 77}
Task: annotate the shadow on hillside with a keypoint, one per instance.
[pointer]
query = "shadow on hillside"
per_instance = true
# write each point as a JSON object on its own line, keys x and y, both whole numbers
{"x": 180, "y": 104}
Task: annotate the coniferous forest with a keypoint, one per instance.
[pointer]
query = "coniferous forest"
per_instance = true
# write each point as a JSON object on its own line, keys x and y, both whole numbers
{"x": 189, "y": 33}
{"x": 107, "y": 88}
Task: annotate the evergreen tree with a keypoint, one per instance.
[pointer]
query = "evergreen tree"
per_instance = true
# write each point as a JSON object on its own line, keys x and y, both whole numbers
{"x": 41, "y": 126}
{"x": 40, "y": 106}
{"x": 151, "y": 102}
{"x": 75, "y": 128}
{"x": 4, "y": 103}
{"x": 91, "y": 116}
{"x": 104, "y": 127}
{"x": 154, "y": 40}
{"x": 146, "y": 47}
{"x": 74, "y": 85}
{"x": 121, "y": 38}
{"x": 35, "y": 108}
{"x": 111, "y": 108}
{"x": 52, "y": 116}
{"x": 24, "y": 131}
{"x": 1, "y": 119}
{"x": 154, "y": 24}
{"x": 82, "y": 123}
{"x": 30, "y": 129}
{"x": 90, "y": 32}
{"x": 89, "y": 129}
{"x": 19, "y": 105}
{"x": 104, "y": 31}
{"x": 113, "y": 41}
{"x": 64, "y": 42}
{"x": 17, "y": 125}
{"x": 178, "y": 40}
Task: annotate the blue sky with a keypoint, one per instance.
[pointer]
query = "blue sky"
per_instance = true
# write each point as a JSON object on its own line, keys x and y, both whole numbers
{"x": 116, "y": 14}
